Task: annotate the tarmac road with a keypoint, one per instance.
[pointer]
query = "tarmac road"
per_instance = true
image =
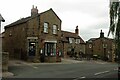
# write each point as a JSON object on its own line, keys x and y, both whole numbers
{"x": 79, "y": 70}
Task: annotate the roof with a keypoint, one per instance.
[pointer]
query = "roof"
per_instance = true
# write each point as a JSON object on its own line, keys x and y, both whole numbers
{"x": 66, "y": 34}
{"x": 70, "y": 34}
{"x": 50, "y": 10}
{"x": 23, "y": 20}
{"x": 93, "y": 39}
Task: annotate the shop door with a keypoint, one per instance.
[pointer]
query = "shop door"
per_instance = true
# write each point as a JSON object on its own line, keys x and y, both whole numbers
{"x": 32, "y": 48}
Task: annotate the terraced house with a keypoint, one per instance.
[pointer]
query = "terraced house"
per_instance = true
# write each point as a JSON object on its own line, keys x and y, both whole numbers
{"x": 39, "y": 38}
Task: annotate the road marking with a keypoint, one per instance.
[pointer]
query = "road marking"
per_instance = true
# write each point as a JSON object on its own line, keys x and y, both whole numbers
{"x": 78, "y": 78}
{"x": 101, "y": 73}
{"x": 116, "y": 69}
{"x": 30, "y": 65}
{"x": 35, "y": 67}
{"x": 83, "y": 77}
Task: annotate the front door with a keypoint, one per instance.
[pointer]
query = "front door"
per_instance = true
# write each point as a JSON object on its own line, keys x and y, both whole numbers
{"x": 32, "y": 48}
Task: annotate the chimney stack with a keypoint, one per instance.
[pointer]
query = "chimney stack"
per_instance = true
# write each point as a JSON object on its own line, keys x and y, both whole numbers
{"x": 34, "y": 11}
{"x": 101, "y": 34}
{"x": 77, "y": 30}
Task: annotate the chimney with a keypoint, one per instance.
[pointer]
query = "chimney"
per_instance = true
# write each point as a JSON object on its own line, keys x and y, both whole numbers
{"x": 101, "y": 34}
{"x": 34, "y": 11}
{"x": 77, "y": 30}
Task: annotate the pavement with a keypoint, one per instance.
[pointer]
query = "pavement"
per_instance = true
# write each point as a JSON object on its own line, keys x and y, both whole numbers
{"x": 21, "y": 63}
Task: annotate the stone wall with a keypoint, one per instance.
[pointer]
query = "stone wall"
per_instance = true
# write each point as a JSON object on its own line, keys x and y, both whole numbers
{"x": 5, "y": 59}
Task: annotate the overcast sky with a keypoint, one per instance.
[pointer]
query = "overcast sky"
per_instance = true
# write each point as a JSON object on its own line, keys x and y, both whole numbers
{"x": 90, "y": 15}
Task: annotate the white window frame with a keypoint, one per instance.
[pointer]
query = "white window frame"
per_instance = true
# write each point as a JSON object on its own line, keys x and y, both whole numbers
{"x": 77, "y": 41}
{"x": 70, "y": 40}
{"x": 45, "y": 27}
{"x": 54, "y": 29}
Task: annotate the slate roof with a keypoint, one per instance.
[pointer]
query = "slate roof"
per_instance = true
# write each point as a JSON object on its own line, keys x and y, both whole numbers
{"x": 93, "y": 39}
{"x": 65, "y": 35}
{"x": 23, "y": 20}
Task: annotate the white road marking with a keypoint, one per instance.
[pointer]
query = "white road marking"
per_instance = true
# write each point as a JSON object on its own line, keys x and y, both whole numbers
{"x": 30, "y": 65}
{"x": 35, "y": 67}
{"x": 79, "y": 78}
{"x": 101, "y": 73}
{"x": 116, "y": 69}
{"x": 83, "y": 77}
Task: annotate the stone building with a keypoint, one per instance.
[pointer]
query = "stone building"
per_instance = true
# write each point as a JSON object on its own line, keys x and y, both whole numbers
{"x": 34, "y": 38}
{"x": 72, "y": 43}
{"x": 101, "y": 47}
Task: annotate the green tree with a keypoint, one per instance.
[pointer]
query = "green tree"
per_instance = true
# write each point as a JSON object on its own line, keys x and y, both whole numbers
{"x": 115, "y": 25}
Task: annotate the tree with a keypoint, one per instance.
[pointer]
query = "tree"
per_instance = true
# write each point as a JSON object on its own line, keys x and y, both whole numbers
{"x": 115, "y": 25}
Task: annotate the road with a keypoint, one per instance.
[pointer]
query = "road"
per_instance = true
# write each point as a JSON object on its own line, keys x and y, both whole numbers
{"x": 86, "y": 69}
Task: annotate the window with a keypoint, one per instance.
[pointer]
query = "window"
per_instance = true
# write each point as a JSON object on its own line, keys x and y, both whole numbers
{"x": 50, "y": 49}
{"x": 90, "y": 45}
{"x": 45, "y": 27}
{"x": 54, "y": 29}
{"x": 77, "y": 41}
{"x": 70, "y": 40}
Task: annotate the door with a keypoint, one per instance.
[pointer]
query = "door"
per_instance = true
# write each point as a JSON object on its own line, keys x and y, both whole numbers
{"x": 32, "y": 48}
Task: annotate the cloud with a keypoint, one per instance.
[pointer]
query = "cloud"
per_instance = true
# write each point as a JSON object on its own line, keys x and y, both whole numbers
{"x": 89, "y": 15}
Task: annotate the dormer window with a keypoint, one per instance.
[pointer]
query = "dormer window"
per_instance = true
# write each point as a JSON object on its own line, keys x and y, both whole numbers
{"x": 70, "y": 40}
{"x": 77, "y": 41}
{"x": 45, "y": 27}
{"x": 54, "y": 29}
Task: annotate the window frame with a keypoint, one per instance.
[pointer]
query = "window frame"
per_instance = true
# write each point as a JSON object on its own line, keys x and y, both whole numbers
{"x": 70, "y": 40}
{"x": 77, "y": 41}
{"x": 54, "y": 29}
{"x": 45, "y": 27}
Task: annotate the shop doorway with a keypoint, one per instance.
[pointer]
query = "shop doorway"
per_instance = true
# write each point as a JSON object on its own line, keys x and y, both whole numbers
{"x": 32, "y": 48}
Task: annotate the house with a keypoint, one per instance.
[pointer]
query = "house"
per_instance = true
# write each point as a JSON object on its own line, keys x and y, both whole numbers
{"x": 72, "y": 43}
{"x": 34, "y": 38}
{"x": 102, "y": 47}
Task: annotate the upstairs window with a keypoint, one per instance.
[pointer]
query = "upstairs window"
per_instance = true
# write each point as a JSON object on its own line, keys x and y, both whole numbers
{"x": 70, "y": 40}
{"x": 45, "y": 27}
{"x": 54, "y": 29}
{"x": 77, "y": 41}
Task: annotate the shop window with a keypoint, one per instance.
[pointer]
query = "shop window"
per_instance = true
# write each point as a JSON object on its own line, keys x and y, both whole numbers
{"x": 50, "y": 49}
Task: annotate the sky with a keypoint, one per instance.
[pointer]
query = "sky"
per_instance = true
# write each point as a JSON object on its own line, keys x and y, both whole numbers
{"x": 89, "y": 15}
